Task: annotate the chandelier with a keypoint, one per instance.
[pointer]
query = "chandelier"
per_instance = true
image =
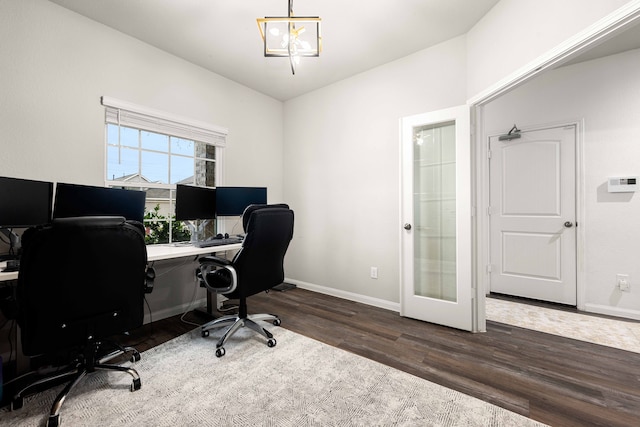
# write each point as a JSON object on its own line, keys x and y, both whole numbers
{"x": 291, "y": 36}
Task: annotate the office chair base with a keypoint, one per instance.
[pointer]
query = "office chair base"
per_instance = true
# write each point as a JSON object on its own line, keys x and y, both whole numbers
{"x": 237, "y": 322}
{"x": 77, "y": 370}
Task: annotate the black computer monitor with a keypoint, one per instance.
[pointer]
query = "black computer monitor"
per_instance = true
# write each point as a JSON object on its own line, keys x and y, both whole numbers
{"x": 232, "y": 201}
{"x": 195, "y": 203}
{"x": 74, "y": 200}
{"x": 24, "y": 202}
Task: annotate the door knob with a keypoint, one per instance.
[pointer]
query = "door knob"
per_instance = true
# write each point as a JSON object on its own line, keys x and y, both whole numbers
{"x": 407, "y": 226}
{"x": 568, "y": 224}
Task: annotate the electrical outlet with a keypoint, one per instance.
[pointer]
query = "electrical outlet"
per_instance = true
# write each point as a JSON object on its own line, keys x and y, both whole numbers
{"x": 623, "y": 283}
{"x": 374, "y": 272}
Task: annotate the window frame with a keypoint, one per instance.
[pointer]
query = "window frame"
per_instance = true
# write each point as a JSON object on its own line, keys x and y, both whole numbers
{"x": 142, "y": 119}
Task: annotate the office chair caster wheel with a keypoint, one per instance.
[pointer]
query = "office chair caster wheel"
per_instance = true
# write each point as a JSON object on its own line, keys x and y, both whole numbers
{"x": 135, "y": 356}
{"x": 17, "y": 403}
{"x": 271, "y": 342}
{"x": 277, "y": 322}
{"x": 136, "y": 384}
{"x": 204, "y": 334}
{"x": 53, "y": 421}
{"x": 220, "y": 352}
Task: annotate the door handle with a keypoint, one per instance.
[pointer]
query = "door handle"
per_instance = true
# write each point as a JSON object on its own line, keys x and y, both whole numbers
{"x": 568, "y": 224}
{"x": 407, "y": 226}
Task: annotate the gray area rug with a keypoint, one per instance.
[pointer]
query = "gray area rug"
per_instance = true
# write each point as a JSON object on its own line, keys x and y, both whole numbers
{"x": 300, "y": 382}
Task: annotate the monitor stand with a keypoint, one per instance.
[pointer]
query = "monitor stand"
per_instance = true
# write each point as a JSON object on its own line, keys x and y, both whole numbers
{"x": 196, "y": 228}
{"x": 14, "y": 240}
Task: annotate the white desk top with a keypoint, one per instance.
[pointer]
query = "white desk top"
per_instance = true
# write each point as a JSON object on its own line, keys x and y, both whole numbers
{"x": 169, "y": 251}
{"x": 4, "y": 276}
{"x": 154, "y": 253}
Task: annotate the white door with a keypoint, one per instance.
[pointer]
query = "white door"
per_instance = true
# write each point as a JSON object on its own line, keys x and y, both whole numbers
{"x": 533, "y": 215}
{"x": 436, "y": 218}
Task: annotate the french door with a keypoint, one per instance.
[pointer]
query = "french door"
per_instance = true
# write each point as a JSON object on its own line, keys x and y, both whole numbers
{"x": 436, "y": 218}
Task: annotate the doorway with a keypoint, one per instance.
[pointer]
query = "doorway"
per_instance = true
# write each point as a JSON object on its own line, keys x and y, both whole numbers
{"x": 599, "y": 34}
{"x": 532, "y": 214}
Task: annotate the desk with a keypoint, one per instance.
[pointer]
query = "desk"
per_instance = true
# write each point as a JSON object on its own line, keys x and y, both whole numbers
{"x": 154, "y": 253}
{"x": 159, "y": 253}
{"x": 170, "y": 251}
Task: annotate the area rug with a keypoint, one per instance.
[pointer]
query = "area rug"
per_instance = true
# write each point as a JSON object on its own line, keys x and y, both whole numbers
{"x": 299, "y": 382}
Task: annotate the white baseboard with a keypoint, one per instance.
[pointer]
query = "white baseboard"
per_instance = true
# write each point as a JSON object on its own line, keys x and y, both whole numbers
{"x": 612, "y": 311}
{"x": 172, "y": 311}
{"x": 375, "y": 302}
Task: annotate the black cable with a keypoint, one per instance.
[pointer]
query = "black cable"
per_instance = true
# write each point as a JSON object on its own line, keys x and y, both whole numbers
{"x": 193, "y": 300}
{"x": 150, "y": 313}
{"x": 11, "y": 328}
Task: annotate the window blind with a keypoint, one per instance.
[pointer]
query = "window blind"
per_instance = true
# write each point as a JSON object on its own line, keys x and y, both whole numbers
{"x": 122, "y": 113}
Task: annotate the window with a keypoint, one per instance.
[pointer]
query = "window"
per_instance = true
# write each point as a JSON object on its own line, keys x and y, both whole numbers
{"x": 152, "y": 151}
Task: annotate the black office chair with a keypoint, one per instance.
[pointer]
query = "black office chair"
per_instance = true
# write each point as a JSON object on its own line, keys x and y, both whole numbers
{"x": 81, "y": 281}
{"x": 257, "y": 267}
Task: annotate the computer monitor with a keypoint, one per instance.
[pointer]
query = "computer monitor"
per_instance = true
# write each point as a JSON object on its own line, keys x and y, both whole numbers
{"x": 72, "y": 200}
{"x": 24, "y": 202}
{"x": 232, "y": 201}
{"x": 195, "y": 203}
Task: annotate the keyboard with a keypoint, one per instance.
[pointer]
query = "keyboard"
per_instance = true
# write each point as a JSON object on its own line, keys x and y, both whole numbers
{"x": 217, "y": 242}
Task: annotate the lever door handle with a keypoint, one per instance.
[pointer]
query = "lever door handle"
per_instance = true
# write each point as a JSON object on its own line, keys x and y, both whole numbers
{"x": 407, "y": 226}
{"x": 568, "y": 224}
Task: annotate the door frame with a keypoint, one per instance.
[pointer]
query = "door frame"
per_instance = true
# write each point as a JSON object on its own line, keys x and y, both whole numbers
{"x": 609, "y": 26}
{"x": 579, "y": 180}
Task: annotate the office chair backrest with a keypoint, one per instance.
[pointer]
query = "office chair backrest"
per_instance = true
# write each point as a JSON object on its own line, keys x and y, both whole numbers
{"x": 249, "y": 209}
{"x": 80, "y": 279}
{"x": 259, "y": 264}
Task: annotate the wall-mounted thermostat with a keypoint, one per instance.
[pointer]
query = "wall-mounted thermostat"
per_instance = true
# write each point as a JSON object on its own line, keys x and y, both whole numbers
{"x": 627, "y": 184}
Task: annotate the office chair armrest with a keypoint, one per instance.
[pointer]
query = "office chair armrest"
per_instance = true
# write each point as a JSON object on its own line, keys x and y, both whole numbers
{"x": 221, "y": 279}
{"x": 150, "y": 277}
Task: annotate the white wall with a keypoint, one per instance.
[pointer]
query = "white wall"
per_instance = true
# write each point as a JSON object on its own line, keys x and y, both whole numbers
{"x": 605, "y": 93}
{"x": 516, "y": 32}
{"x": 341, "y": 142}
{"x": 54, "y": 67}
{"x": 342, "y": 170}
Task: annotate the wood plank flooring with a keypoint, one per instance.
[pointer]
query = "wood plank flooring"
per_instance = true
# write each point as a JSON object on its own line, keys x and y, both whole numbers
{"x": 554, "y": 380}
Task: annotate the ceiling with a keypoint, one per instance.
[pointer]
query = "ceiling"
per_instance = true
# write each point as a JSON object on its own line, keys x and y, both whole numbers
{"x": 222, "y": 35}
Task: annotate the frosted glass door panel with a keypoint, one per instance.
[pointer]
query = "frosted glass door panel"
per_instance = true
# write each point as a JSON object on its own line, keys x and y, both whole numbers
{"x": 434, "y": 184}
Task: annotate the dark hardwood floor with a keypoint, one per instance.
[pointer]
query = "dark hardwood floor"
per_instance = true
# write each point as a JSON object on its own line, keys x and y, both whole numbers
{"x": 554, "y": 380}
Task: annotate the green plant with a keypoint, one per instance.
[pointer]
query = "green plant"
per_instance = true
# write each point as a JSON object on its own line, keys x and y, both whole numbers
{"x": 157, "y": 228}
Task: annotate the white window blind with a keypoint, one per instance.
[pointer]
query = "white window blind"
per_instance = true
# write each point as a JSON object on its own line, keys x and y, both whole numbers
{"x": 122, "y": 113}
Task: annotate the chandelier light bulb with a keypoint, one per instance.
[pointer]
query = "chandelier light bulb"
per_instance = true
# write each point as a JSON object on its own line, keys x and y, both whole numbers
{"x": 281, "y": 36}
